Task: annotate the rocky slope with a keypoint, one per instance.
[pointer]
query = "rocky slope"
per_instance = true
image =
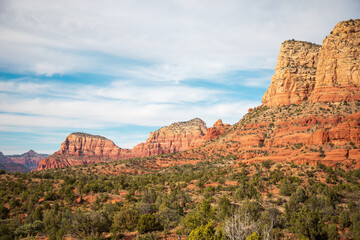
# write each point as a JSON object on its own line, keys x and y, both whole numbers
{"x": 81, "y": 148}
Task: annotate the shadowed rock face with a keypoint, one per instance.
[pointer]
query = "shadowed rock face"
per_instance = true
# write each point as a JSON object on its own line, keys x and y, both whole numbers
{"x": 21, "y": 163}
{"x": 328, "y": 73}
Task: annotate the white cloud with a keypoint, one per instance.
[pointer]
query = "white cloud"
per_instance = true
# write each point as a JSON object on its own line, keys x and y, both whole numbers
{"x": 181, "y": 39}
{"x": 120, "y": 103}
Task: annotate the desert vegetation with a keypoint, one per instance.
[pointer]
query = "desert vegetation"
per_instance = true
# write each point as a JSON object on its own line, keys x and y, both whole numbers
{"x": 208, "y": 200}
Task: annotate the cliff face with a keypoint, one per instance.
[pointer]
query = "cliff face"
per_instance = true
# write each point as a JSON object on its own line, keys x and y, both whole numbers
{"x": 81, "y": 148}
{"x": 294, "y": 76}
{"x": 328, "y": 73}
{"x": 338, "y": 71}
{"x": 176, "y": 137}
{"x": 86, "y": 145}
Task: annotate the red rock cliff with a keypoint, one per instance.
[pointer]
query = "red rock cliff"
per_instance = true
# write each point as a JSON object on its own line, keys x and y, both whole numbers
{"x": 82, "y": 144}
{"x": 294, "y": 76}
{"x": 328, "y": 73}
{"x": 176, "y": 137}
{"x": 338, "y": 69}
{"x": 217, "y": 130}
{"x": 81, "y": 148}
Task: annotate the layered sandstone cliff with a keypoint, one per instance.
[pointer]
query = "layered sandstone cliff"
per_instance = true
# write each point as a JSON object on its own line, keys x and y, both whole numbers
{"x": 82, "y": 144}
{"x": 176, "y": 137}
{"x": 81, "y": 148}
{"x": 294, "y": 76}
{"x": 328, "y": 73}
{"x": 338, "y": 69}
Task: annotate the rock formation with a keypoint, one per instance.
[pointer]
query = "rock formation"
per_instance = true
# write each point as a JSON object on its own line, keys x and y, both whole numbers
{"x": 81, "y": 148}
{"x": 82, "y": 144}
{"x": 217, "y": 130}
{"x": 294, "y": 76}
{"x": 3, "y": 158}
{"x": 328, "y": 73}
{"x": 173, "y": 138}
{"x": 338, "y": 68}
{"x": 29, "y": 159}
{"x": 310, "y": 112}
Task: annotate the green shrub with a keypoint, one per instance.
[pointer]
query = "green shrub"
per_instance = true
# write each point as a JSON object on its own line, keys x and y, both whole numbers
{"x": 253, "y": 236}
{"x": 148, "y": 223}
{"x": 30, "y": 228}
{"x": 205, "y": 233}
{"x": 148, "y": 236}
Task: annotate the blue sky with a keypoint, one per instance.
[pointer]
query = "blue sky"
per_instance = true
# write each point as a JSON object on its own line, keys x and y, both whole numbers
{"x": 124, "y": 68}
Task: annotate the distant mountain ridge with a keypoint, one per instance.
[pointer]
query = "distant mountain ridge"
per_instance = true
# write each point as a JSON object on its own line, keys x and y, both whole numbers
{"x": 21, "y": 163}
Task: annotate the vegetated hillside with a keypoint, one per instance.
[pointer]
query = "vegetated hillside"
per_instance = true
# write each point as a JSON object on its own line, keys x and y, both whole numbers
{"x": 14, "y": 167}
{"x": 208, "y": 200}
{"x": 82, "y": 148}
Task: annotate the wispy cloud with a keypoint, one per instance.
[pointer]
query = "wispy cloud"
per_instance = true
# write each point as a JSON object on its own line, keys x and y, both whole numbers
{"x": 180, "y": 39}
{"x": 117, "y": 103}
